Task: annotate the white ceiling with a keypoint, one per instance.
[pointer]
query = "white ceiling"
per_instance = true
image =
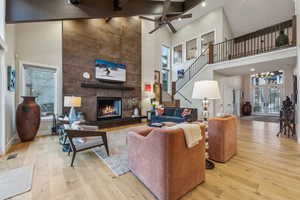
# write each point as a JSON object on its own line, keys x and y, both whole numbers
{"x": 246, "y": 16}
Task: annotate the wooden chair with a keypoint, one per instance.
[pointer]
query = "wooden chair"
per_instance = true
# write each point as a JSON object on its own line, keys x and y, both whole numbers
{"x": 81, "y": 140}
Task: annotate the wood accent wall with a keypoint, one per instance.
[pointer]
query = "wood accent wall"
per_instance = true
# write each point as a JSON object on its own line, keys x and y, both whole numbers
{"x": 118, "y": 41}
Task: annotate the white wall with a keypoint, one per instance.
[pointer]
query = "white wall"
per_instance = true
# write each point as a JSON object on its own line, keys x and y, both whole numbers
{"x": 151, "y": 55}
{"x": 213, "y": 21}
{"x": 2, "y": 19}
{"x": 40, "y": 44}
{"x": 2, "y": 76}
{"x": 226, "y": 85}
{"x": 10, "y": 129}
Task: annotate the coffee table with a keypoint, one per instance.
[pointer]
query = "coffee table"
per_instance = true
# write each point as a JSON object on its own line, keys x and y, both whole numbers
{"x": 90, "y": 138}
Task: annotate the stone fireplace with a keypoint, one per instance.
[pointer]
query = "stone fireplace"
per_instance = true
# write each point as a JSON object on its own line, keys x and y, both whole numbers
{"x": 109, "y": 108}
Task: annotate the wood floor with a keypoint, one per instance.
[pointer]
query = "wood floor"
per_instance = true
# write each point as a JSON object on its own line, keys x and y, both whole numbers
{"x": 266, "y": 167}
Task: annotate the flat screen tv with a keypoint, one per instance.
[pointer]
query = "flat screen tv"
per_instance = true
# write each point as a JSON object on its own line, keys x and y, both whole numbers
{"x": 108, "y": 71}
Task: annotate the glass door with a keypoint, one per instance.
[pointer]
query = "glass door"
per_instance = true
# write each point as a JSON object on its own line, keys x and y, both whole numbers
{"x": 266, "y": 92}
{"x": 274, "y": 100}
{"x": 259, "y": 100}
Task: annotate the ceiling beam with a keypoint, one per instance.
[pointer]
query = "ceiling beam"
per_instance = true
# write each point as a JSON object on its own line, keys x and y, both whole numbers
{"x": 189, "y": 4}
{"x": 18, "y": 11}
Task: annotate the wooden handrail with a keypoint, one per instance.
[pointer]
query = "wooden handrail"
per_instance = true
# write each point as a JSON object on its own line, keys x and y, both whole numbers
{"x": 261, "y": 41}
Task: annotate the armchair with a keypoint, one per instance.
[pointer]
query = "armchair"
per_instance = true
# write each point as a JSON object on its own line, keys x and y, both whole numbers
{"x": 159, "y": 157}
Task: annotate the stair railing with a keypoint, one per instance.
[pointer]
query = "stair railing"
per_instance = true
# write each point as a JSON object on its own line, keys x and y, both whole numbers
{"x": 189, "y": 73}
{"x": 186, "y": 99}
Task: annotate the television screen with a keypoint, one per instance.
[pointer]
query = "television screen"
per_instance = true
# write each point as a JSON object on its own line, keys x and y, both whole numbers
{"x": 109, "y": 71}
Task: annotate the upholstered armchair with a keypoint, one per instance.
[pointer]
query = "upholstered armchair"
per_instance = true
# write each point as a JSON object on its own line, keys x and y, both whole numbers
{"x": 159, "y": 157}
{"x": 222, "y": 132}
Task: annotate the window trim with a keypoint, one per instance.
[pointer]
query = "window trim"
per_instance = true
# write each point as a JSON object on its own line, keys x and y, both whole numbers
{"x": 58, "y": 79}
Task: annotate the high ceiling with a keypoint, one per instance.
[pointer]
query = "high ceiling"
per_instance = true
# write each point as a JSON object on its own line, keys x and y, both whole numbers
{"x": 246, "y": 16}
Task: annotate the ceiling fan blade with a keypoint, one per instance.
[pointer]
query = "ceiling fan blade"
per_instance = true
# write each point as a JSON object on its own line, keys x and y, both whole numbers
{"x": 171, "y": 27}
{"x": 167, "y": 5}
{"x": 147, "y": 18}
{"x": 180, "y": 16}
{"x": 158, "y": 27}
{"x": 186, "y": 16}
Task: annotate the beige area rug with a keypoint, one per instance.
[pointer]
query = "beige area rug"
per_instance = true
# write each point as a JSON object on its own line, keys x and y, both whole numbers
{"x": 15, "y": 182}
{"x": 118, "y": 159}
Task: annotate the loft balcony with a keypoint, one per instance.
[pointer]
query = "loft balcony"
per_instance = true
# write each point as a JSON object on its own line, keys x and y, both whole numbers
{"x": 279, "y": 36}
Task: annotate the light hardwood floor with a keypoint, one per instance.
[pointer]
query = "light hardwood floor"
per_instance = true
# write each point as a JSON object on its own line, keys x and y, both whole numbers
{"x": 266, "y": 167}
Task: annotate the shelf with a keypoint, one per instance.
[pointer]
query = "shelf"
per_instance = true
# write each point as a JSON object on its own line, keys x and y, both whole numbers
{"x": 105, "y": 86}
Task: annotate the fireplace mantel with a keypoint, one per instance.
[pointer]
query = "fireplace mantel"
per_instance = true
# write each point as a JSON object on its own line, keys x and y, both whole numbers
{"x": 105, "y": 86}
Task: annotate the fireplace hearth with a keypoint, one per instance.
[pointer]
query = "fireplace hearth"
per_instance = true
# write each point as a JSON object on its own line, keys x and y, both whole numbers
{"x": 109, "y": 108}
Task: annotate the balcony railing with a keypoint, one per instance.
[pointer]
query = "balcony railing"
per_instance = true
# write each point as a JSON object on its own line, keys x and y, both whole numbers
{"x": 279, "y": 36}
{"x": 275, "y": 37}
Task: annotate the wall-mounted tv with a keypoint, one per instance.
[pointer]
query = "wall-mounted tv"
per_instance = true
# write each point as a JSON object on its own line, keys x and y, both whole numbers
{"x": 109, "y": 71}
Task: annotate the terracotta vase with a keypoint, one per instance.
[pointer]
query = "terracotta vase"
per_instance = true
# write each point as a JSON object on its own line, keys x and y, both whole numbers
{"x": 28, "y": 119}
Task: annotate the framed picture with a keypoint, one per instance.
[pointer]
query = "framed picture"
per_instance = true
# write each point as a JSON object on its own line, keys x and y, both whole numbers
{"x": 109, "y": 71}
{"x": 11, "y": 79}
{"x": 177, "y": 54}
{"x": 191, "y": 49}
{"x": 157, "y": 77}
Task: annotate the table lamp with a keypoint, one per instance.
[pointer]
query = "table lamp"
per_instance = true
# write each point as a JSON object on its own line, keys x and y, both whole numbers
{"x": 206, "y": 90}
{"x": 73, "y": 102}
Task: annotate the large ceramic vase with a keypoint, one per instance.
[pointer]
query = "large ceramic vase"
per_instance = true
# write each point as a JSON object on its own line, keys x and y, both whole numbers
{"x": 28, "y": 119}
{"x": 247, "y": 109}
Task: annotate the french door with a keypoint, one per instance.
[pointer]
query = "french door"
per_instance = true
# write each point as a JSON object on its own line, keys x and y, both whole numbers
{"x": 266, "y": 99}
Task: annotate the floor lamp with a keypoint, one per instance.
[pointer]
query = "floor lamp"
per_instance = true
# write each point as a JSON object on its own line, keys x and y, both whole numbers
{"x": 205, "y": 91}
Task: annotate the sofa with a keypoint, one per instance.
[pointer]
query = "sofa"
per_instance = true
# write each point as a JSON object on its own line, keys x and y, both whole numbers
{"x": 222, "y": 132}
{"x": 174, "y": 115}
{"x": 159, "y": 158}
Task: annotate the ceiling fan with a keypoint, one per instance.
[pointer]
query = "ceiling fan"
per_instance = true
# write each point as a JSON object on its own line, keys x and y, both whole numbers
{"x": 166, "y": 19}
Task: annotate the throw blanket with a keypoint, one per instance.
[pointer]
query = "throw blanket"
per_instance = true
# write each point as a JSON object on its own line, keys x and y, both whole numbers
{"x": 192, "y": 133}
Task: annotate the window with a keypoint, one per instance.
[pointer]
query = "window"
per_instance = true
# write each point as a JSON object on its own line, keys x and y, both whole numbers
{"x": 191, "y": 49}
{"x": 206, "y": 39}
{"x": 165, "y": 63}
{"x": 177, "y": 57}
{"x": 165, "y": 53}
{"x": 41, "y": 82}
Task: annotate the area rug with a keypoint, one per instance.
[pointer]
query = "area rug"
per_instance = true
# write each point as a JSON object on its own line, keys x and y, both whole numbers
{"x": 15, "y": 182}
{"x": 118, "y": 159}
{"x": 261, "y": 118}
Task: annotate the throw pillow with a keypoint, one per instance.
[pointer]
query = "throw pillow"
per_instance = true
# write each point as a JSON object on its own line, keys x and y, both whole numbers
{"x": 160, "y": 111}
{"x": 186, "y": 112}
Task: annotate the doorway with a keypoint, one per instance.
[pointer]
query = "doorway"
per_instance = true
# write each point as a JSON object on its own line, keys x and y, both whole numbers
{"x": 266, "y": 91}
{"x": 44, "y": 82}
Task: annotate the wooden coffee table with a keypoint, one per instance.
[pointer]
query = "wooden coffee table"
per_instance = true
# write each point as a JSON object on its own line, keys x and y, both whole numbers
{"x": 90, "y": 140}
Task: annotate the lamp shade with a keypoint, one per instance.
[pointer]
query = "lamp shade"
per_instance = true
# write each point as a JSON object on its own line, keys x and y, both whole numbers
{"x": 71, "y": 101}
{"x": 206, "y": 90}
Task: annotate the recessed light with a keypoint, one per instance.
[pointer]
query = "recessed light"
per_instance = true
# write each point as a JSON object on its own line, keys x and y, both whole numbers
{"x": 252, "y": 70}
{"x": 179, "y": 19}
{"x": 203, "y": 4}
